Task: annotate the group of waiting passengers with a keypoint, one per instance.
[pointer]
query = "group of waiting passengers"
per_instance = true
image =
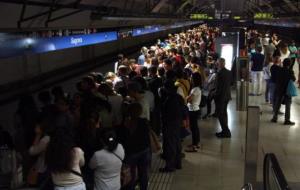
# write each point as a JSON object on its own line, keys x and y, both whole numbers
{"x": 273, "y": 59}
{"x": 83, "y": 141}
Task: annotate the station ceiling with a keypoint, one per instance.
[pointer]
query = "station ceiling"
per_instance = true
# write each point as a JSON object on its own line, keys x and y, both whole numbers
{"x": 48, "y": 12}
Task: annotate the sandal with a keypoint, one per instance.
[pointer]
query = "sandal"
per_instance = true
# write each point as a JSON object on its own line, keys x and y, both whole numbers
{"x": 196, "y": 146}
{"x": 191, "y": 149}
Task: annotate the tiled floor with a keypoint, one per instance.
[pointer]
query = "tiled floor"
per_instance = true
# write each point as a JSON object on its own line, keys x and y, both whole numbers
{"x": 219, "y": 165}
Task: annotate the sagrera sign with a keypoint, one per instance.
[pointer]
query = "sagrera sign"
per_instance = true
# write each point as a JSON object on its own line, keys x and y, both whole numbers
{"x": 76, "y": 41}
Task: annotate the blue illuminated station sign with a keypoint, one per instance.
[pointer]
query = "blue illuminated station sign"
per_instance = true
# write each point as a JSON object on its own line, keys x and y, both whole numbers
{"x": 28, "y": 45}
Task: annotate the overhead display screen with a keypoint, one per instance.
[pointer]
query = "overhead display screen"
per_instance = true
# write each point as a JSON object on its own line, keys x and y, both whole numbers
{"x": 199, "y": 16}
{"x": 263, "y": 16}
{"x": 146, "y": 30}
{"x": 27, "y": 45}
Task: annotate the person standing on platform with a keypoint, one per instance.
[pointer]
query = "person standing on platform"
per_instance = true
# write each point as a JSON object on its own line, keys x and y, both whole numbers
{"x": 286, "y": 75}
{"x": 194, "y": 100}
{"x": 172, "y": 119}
{"x": 222, "y": 98}
{"x": 257, "y": 63}
{"x": 275, "y": 69}
{"x": 119, "y": 62}
{"x": 267, "y": 77}
{"x": 142, "y": 57}
{"x": 293, "y": 53}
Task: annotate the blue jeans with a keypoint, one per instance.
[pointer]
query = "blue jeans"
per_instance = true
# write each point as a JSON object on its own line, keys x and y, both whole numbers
{"x": 75, "y": 187}
{"x": 267, "y": 93}
{"x": 141, "y": 162}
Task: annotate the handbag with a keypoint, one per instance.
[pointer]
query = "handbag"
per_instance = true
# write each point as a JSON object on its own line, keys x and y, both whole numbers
{"x": 291, "y": 89}
{"x": 32, "y": 177}
{"x": 154, "y": 142}
{"x": 126, "y": 174}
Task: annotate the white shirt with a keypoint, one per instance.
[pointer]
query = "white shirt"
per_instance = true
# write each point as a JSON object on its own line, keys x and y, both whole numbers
{"x": 196, "y": 99}
{"x": 150, "y": 98}
{"x": 284, "y": 56}
{"x": 146, "y": 107}
{"x": 107, "y": 168}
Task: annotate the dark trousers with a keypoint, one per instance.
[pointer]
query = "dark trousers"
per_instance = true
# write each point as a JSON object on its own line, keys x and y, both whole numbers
{"x": 141, "y": 162}
{"x": 208, "y": 104}
{"x": 156, "y": 120}
{"x": 287, "y": 100}
{"x": 193, "y": 115}
{"x": 267, "y": 93}
{"x": 293, "y": 63}
{"x": 221, "y": 109}
{"x": 172, "y": 144}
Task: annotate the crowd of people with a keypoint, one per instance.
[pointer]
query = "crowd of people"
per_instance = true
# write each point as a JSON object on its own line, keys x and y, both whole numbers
{"x": 273, "y": 59}
{"x": 99, "y": 137}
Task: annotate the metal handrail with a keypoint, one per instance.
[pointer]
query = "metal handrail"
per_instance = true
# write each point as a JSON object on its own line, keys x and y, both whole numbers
{"x": 271, "y": 162}
{"x": 247, "y": 186}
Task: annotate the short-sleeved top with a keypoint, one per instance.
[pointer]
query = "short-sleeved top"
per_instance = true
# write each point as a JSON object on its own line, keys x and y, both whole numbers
{"x": 194, "y": 104}
{"x": 107, "y": 166}
{"x": 69, "y": 178}
{"x": 293, "y": 51}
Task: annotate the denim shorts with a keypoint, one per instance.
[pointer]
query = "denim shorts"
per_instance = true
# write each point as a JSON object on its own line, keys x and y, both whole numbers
{"x": 75, "y": 187}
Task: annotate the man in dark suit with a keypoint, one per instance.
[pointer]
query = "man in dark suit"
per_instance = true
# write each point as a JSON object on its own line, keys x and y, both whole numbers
{"x": 223, "y": 96}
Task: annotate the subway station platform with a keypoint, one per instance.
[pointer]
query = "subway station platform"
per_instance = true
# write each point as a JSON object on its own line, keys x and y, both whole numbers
{"x": 219, "y": 165}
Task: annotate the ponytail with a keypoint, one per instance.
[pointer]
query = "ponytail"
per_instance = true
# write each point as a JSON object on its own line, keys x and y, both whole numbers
{"x": 109, "y": 139}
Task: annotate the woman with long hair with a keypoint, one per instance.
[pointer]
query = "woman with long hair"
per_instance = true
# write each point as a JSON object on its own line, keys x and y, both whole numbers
{"x": 64, "y": 160}
{"x": 107, "y": 162}
{"x": 194, "y": 100}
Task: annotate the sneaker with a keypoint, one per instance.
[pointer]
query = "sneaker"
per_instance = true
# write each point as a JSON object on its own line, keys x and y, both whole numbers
{"x": 289, "y": 123}
{"x": 191, "y": 149}
{"x": 191, "y": 145}
{"x": 214, "y": 115}
{"x": 205, "y": 117}
{"x": 280, "y": 113}
{"x": 273, "y": 120}
{"x": 223, "y": 135}
{"x": 166, "y": 170}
